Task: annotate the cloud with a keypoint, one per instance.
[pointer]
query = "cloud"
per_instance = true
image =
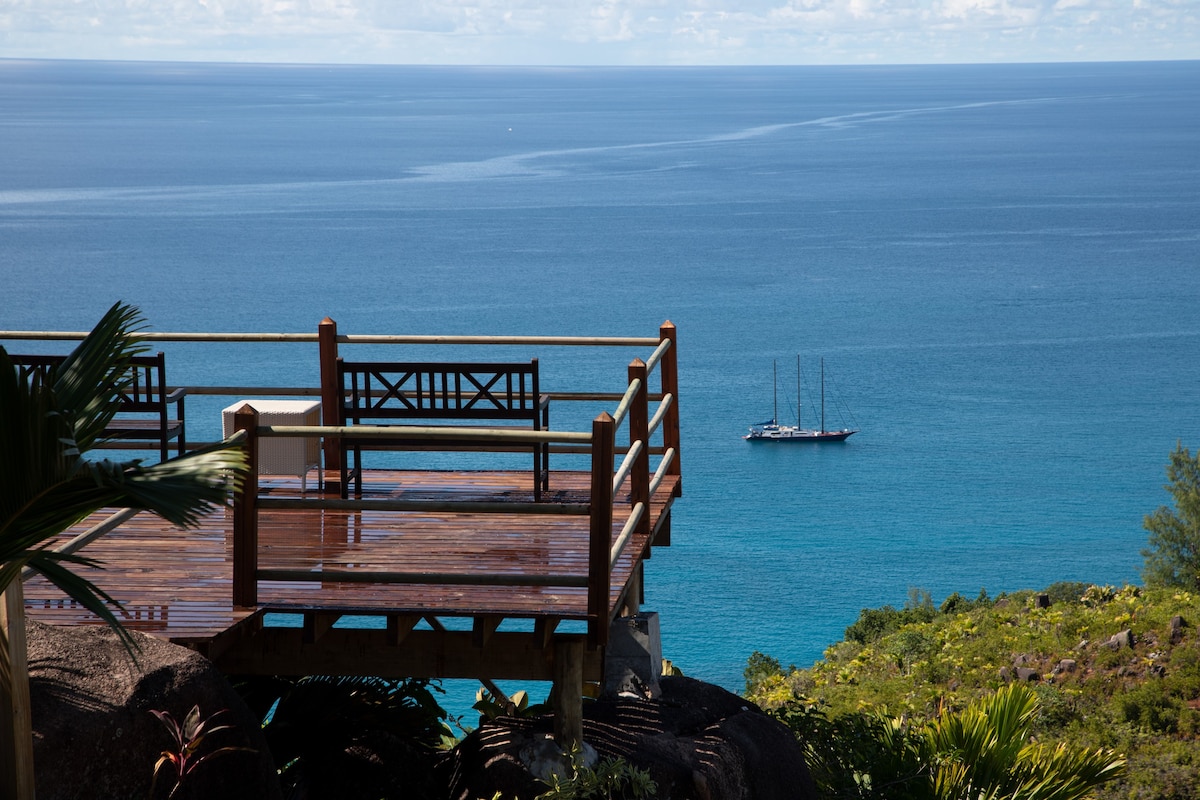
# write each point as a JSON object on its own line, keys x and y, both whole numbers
{"x": 601, "y": 31}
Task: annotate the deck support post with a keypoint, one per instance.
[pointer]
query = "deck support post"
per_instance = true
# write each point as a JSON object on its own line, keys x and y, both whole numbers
{"x": 16, "y": 719}
{"x": 631, "y": 603}
{"x": 600, "y": 535}
{"x": 245, "y": 516}
{"x": 662, "y": 536}
{"x": 331, "y": 406}
{"x": 567, "y": 692}
{"x": 669, "y": 375}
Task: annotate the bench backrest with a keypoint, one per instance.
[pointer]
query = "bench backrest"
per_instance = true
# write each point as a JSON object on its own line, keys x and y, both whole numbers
{"x": 376, "y": 391}
{"x": 145, "y": 390}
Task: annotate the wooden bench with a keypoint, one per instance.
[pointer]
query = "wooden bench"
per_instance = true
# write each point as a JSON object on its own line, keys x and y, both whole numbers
{"x": 144, "y": 393}
{"x": 388, "y": 392}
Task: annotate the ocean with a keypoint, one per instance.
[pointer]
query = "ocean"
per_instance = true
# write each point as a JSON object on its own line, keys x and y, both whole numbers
{"x": 998, "y": 265}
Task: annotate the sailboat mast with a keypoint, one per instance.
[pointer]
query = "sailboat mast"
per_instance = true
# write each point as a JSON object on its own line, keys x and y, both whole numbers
{"x": 775, "y": 386}
{"x": 799, "y": 402}
{"x": 822, "y": 394}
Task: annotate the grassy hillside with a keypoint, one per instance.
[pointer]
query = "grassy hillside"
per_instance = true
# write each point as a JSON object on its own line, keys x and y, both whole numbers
{"x": 1111, "y": 668}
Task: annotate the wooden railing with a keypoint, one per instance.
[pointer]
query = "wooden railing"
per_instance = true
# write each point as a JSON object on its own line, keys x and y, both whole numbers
{"x": 606, "y": 483}
{"x": 646, "y": 415}
{"x": 328, "y": 341}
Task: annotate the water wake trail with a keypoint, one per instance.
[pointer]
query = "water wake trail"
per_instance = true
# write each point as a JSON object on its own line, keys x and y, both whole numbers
{"x": 517, "y": 165}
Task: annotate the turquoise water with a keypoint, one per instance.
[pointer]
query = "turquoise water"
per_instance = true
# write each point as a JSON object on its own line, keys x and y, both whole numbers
{"x": 998, "y": 264}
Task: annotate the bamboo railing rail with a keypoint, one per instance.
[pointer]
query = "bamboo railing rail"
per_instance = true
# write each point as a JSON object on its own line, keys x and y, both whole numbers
{"x": 539, "y": 341}
{"x": 247, "y": 504}
{"x": 328, "y": 337}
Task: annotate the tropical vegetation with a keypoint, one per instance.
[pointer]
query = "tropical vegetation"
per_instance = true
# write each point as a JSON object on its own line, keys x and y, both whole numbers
{"x": 49, "y": 421}
{"x": 330, "y": 735}
{"x": 1173, "y": 555}
{"x": 1086, "y": 677}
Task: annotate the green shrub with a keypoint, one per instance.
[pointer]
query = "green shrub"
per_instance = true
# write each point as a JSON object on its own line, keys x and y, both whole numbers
{"x": 611, "y": 779}
{"x": 759, "y": 667}
{"x": 909, "y": 645}
{"x": 1148, "y": 708}
{"x": 1069, "y": 592}
{"x": 875, "y": 623}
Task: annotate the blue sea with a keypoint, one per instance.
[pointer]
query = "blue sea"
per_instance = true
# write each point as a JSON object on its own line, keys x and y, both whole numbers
{"x": 1000, "y": 266}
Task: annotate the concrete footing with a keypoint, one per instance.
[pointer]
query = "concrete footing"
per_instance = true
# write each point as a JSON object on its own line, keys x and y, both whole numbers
{"x": 633, "y": 657}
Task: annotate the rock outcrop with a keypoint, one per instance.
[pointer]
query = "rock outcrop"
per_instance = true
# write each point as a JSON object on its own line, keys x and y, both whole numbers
{"x": 94, "y": 735}
{"x": 697, "y": 741}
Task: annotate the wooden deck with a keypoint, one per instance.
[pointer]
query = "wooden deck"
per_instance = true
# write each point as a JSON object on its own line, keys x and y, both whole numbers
{"x": 177, "y": 584}
{"x": 461, "y": 574}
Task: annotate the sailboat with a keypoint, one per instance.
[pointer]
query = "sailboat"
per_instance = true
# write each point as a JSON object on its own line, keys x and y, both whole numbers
{"x": 772, "y": 431}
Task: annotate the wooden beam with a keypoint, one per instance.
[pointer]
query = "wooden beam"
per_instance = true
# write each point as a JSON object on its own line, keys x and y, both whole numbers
{"x": 639, "y": 420}
{"x": 669, "y": 377}
{"x": 508, "y": 655}
{"x": 212, "y": 646}
{"x": 399, "y": 626}
{"x": 662, "y": 532}
{"x": 631, "y": 597}
{"x": 600, "y": 533}
{"x": 16, "y": 719}
{"x": 567, "y": 692}
{"x": 482, "y": 629}
{"x": 543, "y": 630}
{"x": 318, "y": 623}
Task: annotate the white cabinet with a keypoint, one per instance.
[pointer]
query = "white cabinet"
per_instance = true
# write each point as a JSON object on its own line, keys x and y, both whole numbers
{"x": 283, "y": 456}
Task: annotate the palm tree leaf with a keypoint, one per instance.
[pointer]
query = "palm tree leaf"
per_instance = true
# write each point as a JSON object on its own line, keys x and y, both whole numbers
{"x": 88, "y": 384}
{"x": 36, "y": 440}
{"x": 180, "y": 490}
{"x": 48, "y": 421}
{"x": 50, "y": 564}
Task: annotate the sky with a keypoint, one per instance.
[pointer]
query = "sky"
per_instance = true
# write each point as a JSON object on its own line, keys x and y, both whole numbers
{"x": 602, "y": 32}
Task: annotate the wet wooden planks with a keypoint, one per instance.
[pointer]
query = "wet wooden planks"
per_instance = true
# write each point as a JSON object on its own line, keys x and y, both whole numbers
{"x": 178, "y": 584}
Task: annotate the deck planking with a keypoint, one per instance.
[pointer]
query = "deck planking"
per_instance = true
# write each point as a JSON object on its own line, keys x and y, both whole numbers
{"x": 177, "y": 584}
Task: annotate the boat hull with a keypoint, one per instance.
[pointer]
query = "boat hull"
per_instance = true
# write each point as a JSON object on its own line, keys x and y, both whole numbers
{"x": 797, "y": 436}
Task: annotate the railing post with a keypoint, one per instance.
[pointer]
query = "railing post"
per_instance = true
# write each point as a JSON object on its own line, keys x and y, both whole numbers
{"x": 245, "y": 516}
{"x": 669, "y": 366}
{"x": 331, "y": 401}
{"x": 639, "y": 430}
{"x": 600, "y": 541}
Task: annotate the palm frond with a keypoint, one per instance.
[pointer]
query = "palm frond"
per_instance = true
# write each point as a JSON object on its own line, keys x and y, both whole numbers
{"x": 181, "y": 491}
{"x": 87, "y": 385}
{"x": 50, "y": 564}
{"x": 35, "y": 438}
{"x": 48, "y": 422}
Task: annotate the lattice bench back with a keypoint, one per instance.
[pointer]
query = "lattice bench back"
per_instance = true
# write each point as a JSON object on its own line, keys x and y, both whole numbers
{"x": 382, "y": 392}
